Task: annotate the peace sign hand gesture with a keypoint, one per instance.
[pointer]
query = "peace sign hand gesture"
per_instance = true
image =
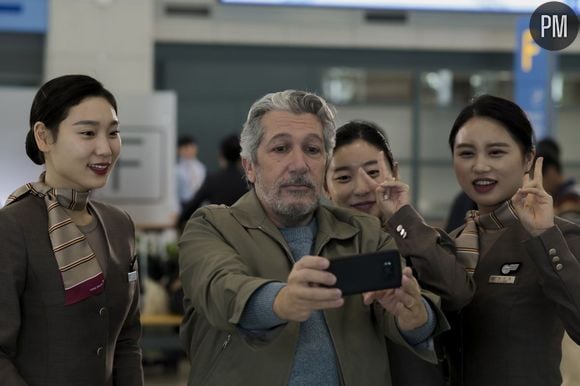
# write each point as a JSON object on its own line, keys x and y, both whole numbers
{"x": 533, "y": 204}
{"x": 391, "y": 195}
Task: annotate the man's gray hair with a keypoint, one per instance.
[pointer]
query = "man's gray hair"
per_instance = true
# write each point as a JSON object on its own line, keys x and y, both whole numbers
{"x": 294, "y": 101}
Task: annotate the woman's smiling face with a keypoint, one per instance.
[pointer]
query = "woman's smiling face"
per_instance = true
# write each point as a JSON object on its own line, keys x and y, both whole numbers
{"x": 346, "y": 184}
{"x": 86, "y": 148}
{"x": 489, "y": 163}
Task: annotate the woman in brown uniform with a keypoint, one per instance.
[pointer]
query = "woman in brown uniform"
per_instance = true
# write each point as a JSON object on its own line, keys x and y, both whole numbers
{"x": 68, "y": 281}
{"x": 522, "y": 259}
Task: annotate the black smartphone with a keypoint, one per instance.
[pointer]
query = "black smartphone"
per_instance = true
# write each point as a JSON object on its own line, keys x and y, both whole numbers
{"x": 367, "y": 272}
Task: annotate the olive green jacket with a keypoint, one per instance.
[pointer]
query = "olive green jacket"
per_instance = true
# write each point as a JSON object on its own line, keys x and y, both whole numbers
{"x": 226, "y": 253}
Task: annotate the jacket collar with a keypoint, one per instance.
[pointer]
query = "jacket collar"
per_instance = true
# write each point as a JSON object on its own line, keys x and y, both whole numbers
{"x": 331, "y": 227}
{"x": 249, "y": 212}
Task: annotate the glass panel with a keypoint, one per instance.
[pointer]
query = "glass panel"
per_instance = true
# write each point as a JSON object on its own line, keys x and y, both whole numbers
{"x": 395, "y": 121}
{"x": 566, "y": 92}
{"x": 444, "y": 88}
{"x": 344, "y": 86}
{"x": 438, "y": 187}
{"x": 567, "y": 133}
{"x": 434, "y": 132}
{"x": 498, "y": 83}
{"x": 405, "y": 172}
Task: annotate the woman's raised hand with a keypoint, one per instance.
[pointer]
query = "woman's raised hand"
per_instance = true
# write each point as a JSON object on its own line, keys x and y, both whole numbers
{"x": 534, "y": 206}
{"x": 391, "y": 194}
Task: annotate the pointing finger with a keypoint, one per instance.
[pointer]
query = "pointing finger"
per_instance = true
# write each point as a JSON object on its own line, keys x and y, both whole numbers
{"x": 538, "y": 178}
{"x": 369, "y": 180}
{"x": 383, "y": 166}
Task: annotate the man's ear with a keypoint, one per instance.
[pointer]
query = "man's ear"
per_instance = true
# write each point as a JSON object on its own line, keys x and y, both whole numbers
{"x": 250, "y": 170}
{"x": 42, "y": 136}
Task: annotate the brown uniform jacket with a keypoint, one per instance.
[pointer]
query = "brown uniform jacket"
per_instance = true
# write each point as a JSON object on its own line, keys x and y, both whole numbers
{"x": 227, "y": 253}
{"x": 510, "y": 334}
{"x": 44, "y": 343}
{"x": 422, "y": 245}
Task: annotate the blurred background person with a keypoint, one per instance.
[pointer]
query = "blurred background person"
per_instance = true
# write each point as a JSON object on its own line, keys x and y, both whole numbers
{"x": 564, "y": 191}
{"x": 190, "y": 171}
{"x": 224, "y": 186}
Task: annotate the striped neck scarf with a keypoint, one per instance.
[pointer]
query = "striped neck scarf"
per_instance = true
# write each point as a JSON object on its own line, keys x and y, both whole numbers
{"x": 467, "y": 243}
{"x": 81, "y": 274}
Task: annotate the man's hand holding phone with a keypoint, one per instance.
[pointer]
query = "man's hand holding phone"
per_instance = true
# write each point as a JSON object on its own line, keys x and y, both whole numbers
{"x": 309, "y": 288}
{"x": 404, "y": 302}
{"x": 317, "y": 283}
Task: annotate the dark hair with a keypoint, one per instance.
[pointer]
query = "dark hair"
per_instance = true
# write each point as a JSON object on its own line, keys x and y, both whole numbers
{"x": 550, "y": 162}
{"x": 548, "y": 146}
{"x": 367, "y": 131}
{"x": 53, "y": 102}
{"x": 230, "y": 148}
{"x": 501, "y": 110}
{"x": 186, "y": 140}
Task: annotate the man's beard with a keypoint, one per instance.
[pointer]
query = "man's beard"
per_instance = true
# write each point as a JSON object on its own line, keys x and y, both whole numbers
{"x": 289, "y": 213}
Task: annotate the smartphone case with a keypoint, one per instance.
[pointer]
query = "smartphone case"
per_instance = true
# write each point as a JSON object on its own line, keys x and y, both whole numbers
{"x": 367, "y": 272}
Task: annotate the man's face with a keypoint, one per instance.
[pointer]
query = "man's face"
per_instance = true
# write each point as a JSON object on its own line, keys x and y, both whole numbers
{"x": 289, "y": 170}
{"x": 188, "y": 151}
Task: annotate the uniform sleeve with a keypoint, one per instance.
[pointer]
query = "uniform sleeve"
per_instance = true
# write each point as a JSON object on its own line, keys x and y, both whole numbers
{"x": 555, "y": 253}
{"x": 127, "y": 365}
{"x": 391, "y": 328}
{"x": 432, "y": 254}
{"x": 214, "y": 276}
{"x": 12, "y": 280}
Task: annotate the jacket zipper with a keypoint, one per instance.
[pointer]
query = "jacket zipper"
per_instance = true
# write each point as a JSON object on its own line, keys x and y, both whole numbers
{"x": 225, "y": 344}
{"x": 217, "y": 358}
{"x": 341, "y": 376}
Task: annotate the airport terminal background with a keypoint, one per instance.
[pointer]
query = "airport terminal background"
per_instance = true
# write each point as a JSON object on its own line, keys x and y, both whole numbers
{"x": 205, "y": 62}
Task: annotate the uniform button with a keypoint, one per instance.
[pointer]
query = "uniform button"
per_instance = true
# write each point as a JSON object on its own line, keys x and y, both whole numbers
{"x": 103, "y": 311}
{"x": 399, "y": 227}
{"x": 559, "y": 267}
{"x": 552, "y": 251}
{"x": 556, "y": 259}
{"x": 100, "y": 351}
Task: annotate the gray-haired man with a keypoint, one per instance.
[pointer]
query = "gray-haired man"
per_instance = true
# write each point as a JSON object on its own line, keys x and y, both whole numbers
{"x": 259, "y": 310}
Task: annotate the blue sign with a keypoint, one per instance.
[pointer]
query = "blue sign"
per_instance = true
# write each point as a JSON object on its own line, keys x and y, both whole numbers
{"x": 534, "y": 67}
{"x": 23, "y": 15}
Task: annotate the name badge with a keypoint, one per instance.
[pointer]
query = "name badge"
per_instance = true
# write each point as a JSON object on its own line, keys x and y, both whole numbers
{"x": 499, "y": 279}
{"x": 132, "y": 276}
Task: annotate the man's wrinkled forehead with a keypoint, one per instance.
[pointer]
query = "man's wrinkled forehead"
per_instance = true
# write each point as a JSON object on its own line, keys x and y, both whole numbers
{"x": 284, "y": 125}
{"x": 288, "y": 137}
